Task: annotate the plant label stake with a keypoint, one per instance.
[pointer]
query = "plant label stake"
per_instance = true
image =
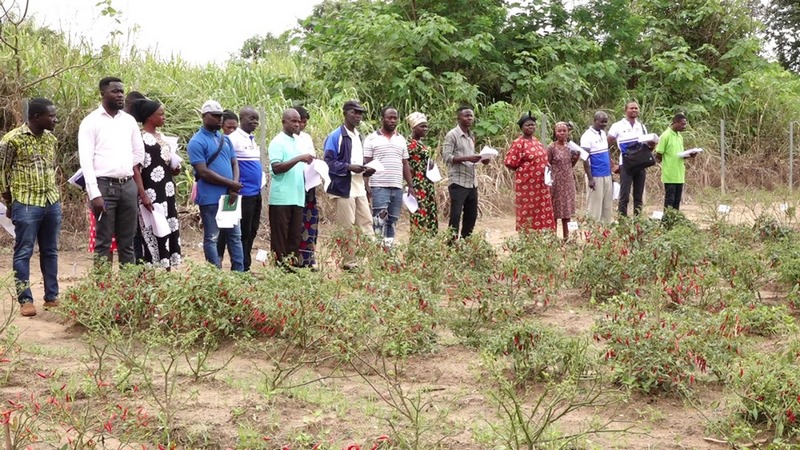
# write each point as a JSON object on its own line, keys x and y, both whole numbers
{"x": 658, "y": 215}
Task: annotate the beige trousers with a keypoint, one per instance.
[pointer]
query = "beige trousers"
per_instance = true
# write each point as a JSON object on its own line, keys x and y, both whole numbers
{"x": 600, "y": 199}
{"x": 351, "y": 212}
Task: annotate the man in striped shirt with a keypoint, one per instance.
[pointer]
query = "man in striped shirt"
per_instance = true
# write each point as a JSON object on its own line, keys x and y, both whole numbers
{"x": 28, "y": 187}
{"x": 389, "y": 147}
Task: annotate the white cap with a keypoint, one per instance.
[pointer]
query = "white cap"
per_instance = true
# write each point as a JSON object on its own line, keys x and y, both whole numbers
{"x": 652, "y": 137}
{"x": 211, "y": 107}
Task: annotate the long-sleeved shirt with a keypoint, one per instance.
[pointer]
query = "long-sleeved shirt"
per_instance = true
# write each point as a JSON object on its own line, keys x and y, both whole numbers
{"x": 459, "y": 143}
{"x": 108, "y": 147}
{"x": 27, "y": 166}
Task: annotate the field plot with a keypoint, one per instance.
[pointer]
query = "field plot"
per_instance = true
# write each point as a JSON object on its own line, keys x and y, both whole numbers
{"x": 649, "y": 334}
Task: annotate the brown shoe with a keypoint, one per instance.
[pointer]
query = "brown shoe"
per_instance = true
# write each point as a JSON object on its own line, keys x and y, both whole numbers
{"x": 50, "y": 304}
{"x": 27, "y": 310}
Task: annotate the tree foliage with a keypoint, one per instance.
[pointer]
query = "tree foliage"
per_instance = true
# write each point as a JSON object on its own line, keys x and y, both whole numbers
{"x": 783, "y": 30}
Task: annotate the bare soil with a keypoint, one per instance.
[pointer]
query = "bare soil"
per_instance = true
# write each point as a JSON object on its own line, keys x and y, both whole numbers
{"x": 343, "y": 410}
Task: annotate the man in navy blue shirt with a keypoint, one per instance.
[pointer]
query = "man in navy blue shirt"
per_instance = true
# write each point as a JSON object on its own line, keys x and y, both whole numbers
{"x": 217, "y": 171}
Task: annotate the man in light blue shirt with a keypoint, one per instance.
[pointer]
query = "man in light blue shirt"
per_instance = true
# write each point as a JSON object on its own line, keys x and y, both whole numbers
{"x": 287, "y": 191}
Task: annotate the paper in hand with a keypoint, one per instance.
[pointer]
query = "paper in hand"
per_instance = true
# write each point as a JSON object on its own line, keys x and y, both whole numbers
{"x": 317, "y": 173}
{"x": 375, "y": 164}
{"x": 432, "y": 172}
{"x": 410, "y": 202}
{"x": 77, "y": 180}
{"x": 687, "y": 153}
{"x": 488, "y": 153}
{"x": 5, "y": 222}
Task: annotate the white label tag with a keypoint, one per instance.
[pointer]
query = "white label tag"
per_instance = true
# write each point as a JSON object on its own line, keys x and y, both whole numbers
{"x": 723, "y": 209}
{"x": 262, "y": 256}
{"x": 784, "y": 207}
{"x": 572, "y": 226}
{"x": 658, "y": 215}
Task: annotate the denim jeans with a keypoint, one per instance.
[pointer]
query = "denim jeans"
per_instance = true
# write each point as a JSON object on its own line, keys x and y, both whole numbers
{"x": 32, "y": 224}
{"x": 389, "y": 200}
{"x": 208, "y": 215}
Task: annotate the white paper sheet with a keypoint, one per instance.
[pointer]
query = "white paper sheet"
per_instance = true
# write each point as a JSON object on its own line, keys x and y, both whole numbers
{"x": 690, "y": 152}
{"x": 262, "y": 255}
{"x": 572, "y": 226}
{"x": 575, "y": 148}
{"x": 658, "y": 215}
{"x": 723, "y": 209}
{"x": 263, "y": 179}
{"x": 77, "y": 180}
{"x": 432, "y": 172}
{"x": 488, "y": 152}
{"x": 5, "y": 222}
{"x": 375, "y": 164}
{"x": 410, "y": 202}
{"x": 548, "y": 176}
{"x": 784, "y": 207}
{"x": 317, "y": 173}
{"x": 175, "y": 161}
{"x": 615, "y": 190}
{"x": 228, "y": 219}
{"x": 160, "y": 223}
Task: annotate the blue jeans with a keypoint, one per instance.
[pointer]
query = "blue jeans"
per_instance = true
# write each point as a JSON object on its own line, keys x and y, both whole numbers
{"x": 32, "y": 224}
{"x": 386, "y": 204}
{"x": 208, "y": 215}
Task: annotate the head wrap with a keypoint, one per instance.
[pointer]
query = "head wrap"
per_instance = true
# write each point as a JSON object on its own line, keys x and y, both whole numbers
{"x": 143, "y": 108}
{"x": 416, "y": 118}
{"x": 525, "y": 118}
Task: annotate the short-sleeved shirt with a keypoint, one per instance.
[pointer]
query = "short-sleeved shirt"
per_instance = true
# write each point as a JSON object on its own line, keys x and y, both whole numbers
{"x": 673, "y": 170}
{"x": 626, "y": 133}
{"x": 288, "y": 188}
{"x": 459, "y": 143}
{"x": 248, "y": 156}
{"x": 390, "y": 151}
{"x": 27, "y": 166}
{"x": 201, "y": 148}
{"x": 596, "y": 143}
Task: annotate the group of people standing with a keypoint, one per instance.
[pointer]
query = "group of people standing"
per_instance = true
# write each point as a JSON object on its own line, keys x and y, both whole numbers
{"x": 545, "y": 184}
{"x": 128, "y": 168}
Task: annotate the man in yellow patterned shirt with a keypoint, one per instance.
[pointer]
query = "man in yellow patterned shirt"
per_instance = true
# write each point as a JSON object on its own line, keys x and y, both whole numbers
{"x": 28, "y": 187}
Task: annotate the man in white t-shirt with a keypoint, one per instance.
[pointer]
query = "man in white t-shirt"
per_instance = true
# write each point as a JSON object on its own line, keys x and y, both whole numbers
{"x": 626, "y": 133}
{"x": 598, "y": 170}
{"x": 388, "y": 147}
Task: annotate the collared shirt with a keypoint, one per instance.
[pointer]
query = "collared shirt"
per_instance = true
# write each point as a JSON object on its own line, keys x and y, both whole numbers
{"x": 248, "y": 155}
{"x": 596, "y": 143}
{"x": 27, "y": 166}
{"x": 287, "y": 188}
{"x": 108, "y": 147}
{"x": 201, "y": 148}
{"x": 390, "y": 151}
{"x": 673, "y": 169}
{"x": 458, "y": 143}
{"x": 626, "y": 133}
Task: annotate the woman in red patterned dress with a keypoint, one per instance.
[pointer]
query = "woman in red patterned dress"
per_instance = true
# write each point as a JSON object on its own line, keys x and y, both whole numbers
{"x": 528, "y": 159}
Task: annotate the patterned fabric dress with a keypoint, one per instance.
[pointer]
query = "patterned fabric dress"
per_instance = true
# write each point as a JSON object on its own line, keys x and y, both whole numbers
{"x": 528, "y": 159}
{"x": 425, "y": 218}
{"x": 160, "y": 188}
{"x": 563, "y": 189}
{"x": 308, "y": 242}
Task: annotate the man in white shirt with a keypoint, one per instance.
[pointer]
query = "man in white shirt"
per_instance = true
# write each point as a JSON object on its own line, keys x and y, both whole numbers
{"x": 625, "y": 133}
{"x": 598, "y": 170}
{"x": 110, "y": 145}
{"x": 248, "y": 156}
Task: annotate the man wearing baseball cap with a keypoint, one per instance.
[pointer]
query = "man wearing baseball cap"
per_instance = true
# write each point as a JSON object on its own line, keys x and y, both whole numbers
{"x": 217, "y": 173}
{"x": 344, "y": 154}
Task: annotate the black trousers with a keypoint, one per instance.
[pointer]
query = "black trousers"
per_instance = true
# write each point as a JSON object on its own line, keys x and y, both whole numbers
{"x": 286, "y": 232}
{"x": 251, "y": 219}
{"x": 120, "y": 219}
{"x": 672, "y": 195}
{"x": 635, "y": 180}
{"x": 463, "y": 200}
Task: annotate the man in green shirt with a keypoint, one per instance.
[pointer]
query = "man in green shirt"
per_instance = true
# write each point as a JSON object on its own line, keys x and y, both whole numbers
{"x": 287, "y": 192}
{"x": 673, "y": 171}
{"x": 28, "y": 187}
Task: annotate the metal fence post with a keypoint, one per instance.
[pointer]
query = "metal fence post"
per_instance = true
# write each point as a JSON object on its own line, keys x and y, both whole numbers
{"x": 791, "y": 156}
{"x": 722, "y": 154}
